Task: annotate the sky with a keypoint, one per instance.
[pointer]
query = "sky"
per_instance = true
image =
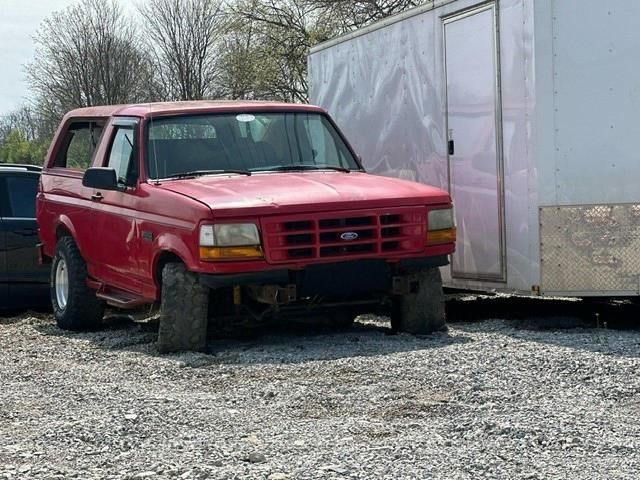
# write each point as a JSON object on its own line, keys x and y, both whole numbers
{"x": 19, "y": 21}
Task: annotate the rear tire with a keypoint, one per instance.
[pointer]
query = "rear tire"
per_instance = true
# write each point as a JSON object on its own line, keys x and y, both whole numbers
{"x": 183, "y": 311}
{"x": 75, "y": 305}
{"x": 421, "y": 311}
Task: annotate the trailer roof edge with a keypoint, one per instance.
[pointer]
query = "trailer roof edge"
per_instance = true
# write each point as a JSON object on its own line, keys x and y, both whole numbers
{"x": 412, "y": 12}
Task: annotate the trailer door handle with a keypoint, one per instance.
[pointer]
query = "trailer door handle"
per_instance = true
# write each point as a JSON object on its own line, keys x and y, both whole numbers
{"x": 452, "y": 147}
{"x": 97, "y": 197}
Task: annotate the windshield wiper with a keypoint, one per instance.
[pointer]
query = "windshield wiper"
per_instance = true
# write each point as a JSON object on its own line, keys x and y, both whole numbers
{"x": 294, "y": 168}
{"x": 200, "y": 173}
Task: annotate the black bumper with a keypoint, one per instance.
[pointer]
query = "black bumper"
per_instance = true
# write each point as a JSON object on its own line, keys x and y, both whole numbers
{"x": 330, "y": 279}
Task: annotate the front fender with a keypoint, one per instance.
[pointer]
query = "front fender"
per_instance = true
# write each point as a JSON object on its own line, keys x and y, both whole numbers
{"x": 173, "y": 244}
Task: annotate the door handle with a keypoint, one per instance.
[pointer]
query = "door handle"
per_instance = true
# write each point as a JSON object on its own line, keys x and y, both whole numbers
{"x": 452, "y": 147}
{"x": 26, "y": 232}
{"x": 97, "y": 197}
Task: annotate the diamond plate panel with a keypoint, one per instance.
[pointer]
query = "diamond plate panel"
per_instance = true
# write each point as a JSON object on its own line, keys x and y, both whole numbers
{"x": 590, "y": 249}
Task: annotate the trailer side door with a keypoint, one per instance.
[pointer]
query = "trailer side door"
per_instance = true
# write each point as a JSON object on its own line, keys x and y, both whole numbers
{"x": 475, "y": 143}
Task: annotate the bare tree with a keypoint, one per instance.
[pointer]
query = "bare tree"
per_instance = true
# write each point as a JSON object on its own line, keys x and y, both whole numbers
{"x": 91, "y": 53}
{"x": 183, "y": 36}
{"x": 266, "y": 51}
{"x": 87, "y": 55}
{"x": 24, "y": 136}
{"x": 25, "y": 119}
{"x": 351, "y": 14}
{"x": 237, "y": 66}
{"x": 277, "y": 35}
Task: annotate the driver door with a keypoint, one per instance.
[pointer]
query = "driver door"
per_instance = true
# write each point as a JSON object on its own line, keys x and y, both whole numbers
{"x": 118, "y": 217}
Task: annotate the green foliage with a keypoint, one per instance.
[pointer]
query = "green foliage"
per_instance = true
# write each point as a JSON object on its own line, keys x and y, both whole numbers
{"x": 15, "y": 148}
{"x": 80, "y": 150}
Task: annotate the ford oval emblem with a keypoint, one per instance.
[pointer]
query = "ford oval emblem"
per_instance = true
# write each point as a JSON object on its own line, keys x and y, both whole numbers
{"x": 349, "y": 236}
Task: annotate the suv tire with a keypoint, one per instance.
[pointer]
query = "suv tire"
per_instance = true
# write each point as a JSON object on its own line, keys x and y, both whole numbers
{"x": 75, "y": 305}
{"x": 183, "y": 311}
{"x": 421, "y": 311}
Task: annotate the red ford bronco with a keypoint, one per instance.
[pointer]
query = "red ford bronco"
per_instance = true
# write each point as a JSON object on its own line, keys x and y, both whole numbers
{"x": 221, "y": 211}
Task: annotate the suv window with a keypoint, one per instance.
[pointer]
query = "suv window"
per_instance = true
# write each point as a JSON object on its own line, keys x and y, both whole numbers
{"x": 81, "y": 140}
{"x": 20, "y": 194}
{"x": 121, "y": 155}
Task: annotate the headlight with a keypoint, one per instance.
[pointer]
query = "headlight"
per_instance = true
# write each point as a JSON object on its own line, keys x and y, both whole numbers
{"x": 230, "y": 235}
{"x": 238, "y": 241}
{"x": 441, "y": 219}
{"x": 441, "y": 225}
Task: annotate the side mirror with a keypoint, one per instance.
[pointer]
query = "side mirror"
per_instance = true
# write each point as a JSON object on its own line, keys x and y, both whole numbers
{"x": 100, "y": 178}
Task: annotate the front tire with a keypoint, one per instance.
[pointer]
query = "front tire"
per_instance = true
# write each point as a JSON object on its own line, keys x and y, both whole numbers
{"x": 422, "y": 310}
{"x": 75, "y": 305}
{"x": 183, "y": 311}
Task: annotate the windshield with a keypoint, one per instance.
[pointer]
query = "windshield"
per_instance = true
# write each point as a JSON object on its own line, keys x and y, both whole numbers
{"x": 244, "y": 143}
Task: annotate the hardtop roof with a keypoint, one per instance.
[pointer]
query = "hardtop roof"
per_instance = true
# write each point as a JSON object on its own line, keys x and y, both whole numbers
{"x": 145, "y": 110}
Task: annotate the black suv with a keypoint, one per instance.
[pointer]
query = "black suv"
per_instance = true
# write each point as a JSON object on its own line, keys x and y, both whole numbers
{"x": 23, "y": 282}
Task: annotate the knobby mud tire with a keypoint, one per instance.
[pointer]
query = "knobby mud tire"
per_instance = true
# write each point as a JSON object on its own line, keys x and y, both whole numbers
{"x": 183, "y": 311}
{"x": 83, "y": 310}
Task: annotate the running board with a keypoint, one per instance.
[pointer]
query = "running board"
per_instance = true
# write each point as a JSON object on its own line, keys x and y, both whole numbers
{"x": 121, "y": 299}
{"x": 117, "y": 298}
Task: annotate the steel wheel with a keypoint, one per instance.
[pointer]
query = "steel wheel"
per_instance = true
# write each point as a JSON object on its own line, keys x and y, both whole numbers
{"x": 62, "y": 283}
{"x": 75, "y": 305}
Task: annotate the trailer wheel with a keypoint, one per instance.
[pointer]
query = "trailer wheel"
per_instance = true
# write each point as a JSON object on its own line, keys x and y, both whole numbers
{"x": 422, "y": 310}
{"x": 183, "y": 311}
{"x": 75, "y": 305}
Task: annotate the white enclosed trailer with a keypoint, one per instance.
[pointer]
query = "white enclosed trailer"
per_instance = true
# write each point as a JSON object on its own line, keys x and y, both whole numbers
{"x": 527, "y": 112}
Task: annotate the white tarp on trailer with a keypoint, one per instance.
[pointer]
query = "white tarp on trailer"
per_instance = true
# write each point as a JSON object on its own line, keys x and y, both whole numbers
{"x": 387, "y": 88}
{"x": 544, "y": 169}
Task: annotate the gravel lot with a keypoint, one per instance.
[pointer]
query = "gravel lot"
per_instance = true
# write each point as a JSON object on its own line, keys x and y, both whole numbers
{"x": 485, "y": 400}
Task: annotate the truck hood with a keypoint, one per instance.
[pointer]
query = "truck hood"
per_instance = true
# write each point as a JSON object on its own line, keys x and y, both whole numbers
{"x": 293, "y": 192}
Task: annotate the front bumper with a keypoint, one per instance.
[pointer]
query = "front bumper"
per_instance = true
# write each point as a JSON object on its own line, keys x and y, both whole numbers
{"x": 343, "y": 278}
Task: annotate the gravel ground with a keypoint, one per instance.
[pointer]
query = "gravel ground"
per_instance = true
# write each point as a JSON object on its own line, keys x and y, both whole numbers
{"x": 485, "y": 400}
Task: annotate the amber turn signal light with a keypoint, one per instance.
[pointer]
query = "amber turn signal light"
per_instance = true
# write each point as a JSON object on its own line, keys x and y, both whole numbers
{"x": 230, "y": 253}
{"x": 438, "y": 237}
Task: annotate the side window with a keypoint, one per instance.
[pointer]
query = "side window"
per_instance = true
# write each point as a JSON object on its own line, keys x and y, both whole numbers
{"x": 121, "y": 155}
{"x": 21, "y": 193}
{"x": 81, "y": 140}
{"x": 4, "y": 198}
{"x": 182, "y": 130}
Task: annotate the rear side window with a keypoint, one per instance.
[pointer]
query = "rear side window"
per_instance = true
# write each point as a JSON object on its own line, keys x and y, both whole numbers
{"x": 121, "y": 157}
{"x": 80, "y": 142}
{"x": 4, "y": 199}
{"x": 20, "y": 194}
